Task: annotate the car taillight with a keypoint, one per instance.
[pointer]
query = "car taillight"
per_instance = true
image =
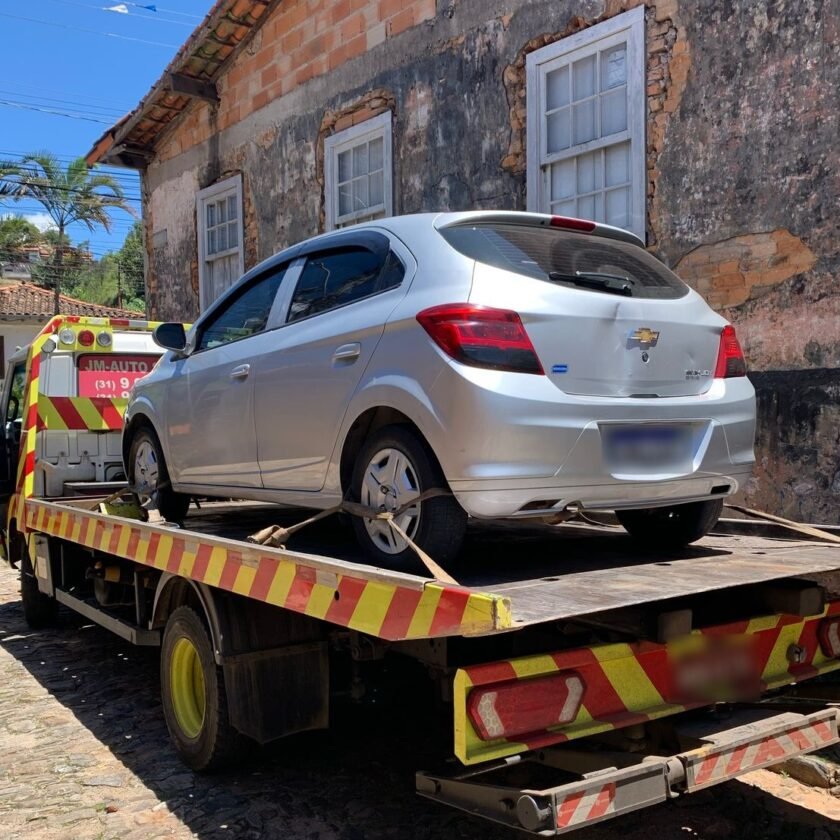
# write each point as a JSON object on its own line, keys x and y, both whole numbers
{"x": 510, "y": 710}
{"x": 86, "y": 338}
{"x": 572, "y": 224}
{"x": 481, "y": 336}
{"x": 829, "y": 636}
{"x": 730, "y": 361}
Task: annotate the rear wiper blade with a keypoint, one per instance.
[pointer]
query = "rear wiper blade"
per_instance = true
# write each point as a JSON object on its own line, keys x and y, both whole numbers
{"x": 613, "y": 283}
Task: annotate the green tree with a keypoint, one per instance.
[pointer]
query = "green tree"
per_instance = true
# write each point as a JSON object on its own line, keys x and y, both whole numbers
{"x": 16, "y": 233}
{"x": 71, "y": 194}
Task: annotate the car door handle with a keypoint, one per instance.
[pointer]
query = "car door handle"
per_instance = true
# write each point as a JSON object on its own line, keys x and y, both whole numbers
{"x": 348, "y": 351}
{"x": 240, "y": 372}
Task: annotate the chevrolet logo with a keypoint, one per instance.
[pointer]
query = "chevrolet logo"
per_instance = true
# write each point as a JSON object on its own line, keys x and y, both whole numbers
{"x": 645, "y": 335}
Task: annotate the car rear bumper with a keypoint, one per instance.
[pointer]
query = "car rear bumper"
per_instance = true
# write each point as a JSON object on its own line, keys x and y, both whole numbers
{"x": 510, "y": 441}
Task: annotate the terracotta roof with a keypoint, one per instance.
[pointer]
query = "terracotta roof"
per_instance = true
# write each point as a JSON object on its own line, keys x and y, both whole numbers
{"x": 25, "y": 301}
{"x": 194, "y": 70}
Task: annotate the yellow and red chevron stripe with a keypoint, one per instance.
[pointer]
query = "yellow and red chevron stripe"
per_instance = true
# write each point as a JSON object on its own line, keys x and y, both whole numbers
{"x": 390, "y": 607}
{"x": 95, "y": 414}
{"x": 636, "y": 682}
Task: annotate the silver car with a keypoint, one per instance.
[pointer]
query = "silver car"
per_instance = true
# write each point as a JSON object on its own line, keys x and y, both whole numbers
{"x": 526, "y": 364}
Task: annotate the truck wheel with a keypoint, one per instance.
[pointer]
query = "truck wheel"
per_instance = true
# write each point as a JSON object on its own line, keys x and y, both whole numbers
{"x": 671, "y": 527}
{"x": 147, "y": 471}
{"x": 39, "y": 610}
{"x": 193, "y": 695}
{"x": 392, "y": 467}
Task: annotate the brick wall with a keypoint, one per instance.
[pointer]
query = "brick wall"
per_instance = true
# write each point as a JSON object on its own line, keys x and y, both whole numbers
{"x": 301, "y": 40}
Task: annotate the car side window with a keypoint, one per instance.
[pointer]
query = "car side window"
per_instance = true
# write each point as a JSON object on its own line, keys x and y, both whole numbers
{"x": 245, "y": 314}
{"x": 337, "y": 277}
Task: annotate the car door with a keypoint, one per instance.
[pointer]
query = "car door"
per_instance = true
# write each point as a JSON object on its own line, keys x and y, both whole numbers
{"x": 210, "y": 403}
{"x": 336, "y": 315}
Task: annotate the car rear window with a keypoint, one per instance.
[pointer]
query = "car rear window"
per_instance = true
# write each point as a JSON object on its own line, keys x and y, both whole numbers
{"x": 575, "y": 260}
{"x": 112, "y": 374}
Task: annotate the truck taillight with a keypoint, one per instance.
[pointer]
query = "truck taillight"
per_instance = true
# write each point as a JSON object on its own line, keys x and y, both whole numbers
{"x": 513, "y": 709}
{"x": 829, "y": 636}
{"x": 481, "y": 336}
{"x": 86, "y": 338}
{"x": 730, "y": 361}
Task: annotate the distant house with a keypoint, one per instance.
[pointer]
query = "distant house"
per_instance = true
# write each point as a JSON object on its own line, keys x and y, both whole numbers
{"x": 25, "y": 308}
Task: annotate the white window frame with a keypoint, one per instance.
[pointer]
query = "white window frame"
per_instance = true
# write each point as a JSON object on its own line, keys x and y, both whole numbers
{"x": 629, "y": 27}
{"x": 341, "y": 141}
{"x": 230, "y": 186}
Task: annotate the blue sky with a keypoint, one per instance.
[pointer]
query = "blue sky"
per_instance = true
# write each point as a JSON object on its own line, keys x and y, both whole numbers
{"x": 67, "y": 63}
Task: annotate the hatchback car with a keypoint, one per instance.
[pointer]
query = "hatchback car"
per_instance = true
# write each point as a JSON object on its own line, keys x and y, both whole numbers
{"x": 527, "y": 364}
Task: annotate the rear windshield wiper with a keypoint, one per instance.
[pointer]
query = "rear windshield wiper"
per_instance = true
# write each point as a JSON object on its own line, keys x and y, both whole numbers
{"x": 615, "y": 284}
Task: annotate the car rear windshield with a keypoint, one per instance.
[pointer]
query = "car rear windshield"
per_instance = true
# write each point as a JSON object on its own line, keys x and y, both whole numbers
{"x": 575, "y": 260}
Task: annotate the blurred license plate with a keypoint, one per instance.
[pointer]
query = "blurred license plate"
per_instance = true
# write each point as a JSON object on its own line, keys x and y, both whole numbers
{"x": 648, "y": 448}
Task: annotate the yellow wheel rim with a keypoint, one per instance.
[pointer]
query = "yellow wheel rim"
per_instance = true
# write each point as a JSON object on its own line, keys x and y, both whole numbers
{"x": 186, "y": 680}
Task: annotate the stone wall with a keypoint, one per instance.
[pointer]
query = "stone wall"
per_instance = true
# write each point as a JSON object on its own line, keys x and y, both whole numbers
{"x": 742, "y": 162}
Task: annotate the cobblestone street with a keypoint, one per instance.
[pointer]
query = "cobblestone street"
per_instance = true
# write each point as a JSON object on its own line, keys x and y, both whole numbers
{"x": 84, "y": 754}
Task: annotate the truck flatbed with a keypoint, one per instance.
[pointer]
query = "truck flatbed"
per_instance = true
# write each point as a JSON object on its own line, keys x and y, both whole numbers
{"x": 510, "y": 576}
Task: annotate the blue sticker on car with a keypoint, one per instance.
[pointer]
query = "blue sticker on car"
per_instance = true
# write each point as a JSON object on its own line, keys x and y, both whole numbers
{"x": 559, "y": 368}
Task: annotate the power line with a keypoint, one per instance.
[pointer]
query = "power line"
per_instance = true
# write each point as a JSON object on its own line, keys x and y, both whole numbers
{"x": 118, "y": 105}
{"x": 52, "y": 101}
{"x": 54, "y": 111}
{"x": 126, "y": 12}
{"x": 38, "y": 182}
{"x": 89, "y": 31}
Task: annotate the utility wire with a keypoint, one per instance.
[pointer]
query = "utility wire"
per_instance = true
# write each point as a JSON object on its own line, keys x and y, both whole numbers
{"x": 51, "y": 101}
{"x": 54, "y": 111}
{"x": 156, "y": 17}
{"x": 41, "y": 182}
{"x": 89, "y": 31}
{"x": 120, "y": 106}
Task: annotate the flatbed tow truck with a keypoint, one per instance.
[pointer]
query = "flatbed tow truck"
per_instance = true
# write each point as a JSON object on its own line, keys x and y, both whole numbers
{"x": 584, "y": 678}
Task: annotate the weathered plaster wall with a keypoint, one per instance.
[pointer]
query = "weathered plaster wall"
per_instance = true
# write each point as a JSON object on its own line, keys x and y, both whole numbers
{"x": 742, "y": 159}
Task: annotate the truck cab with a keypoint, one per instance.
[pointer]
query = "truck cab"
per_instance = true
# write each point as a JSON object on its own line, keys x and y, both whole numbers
{"x": 63, "y": 400}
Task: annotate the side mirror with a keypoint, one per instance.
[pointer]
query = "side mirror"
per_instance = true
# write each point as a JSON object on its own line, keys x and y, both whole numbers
{"x": 170, "y": 336}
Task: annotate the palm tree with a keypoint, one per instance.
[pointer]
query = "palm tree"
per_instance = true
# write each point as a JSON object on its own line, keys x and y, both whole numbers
{"x": 72, "y": 194}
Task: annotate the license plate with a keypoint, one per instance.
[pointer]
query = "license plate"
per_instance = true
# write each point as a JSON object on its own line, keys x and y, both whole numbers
{"x": 648, "y": 448}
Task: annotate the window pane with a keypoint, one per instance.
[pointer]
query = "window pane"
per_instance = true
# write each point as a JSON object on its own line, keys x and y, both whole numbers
{"x": 231, "y": 207}
{"x": 563, "y": 179}
{"x": 211, "y": 215}
{"x": 557, "y": 88}
{"x": 360, "y": 160}
{"x": 233, "y": 235}
{"x": 558, "y": 131}
{"x": 211, "y": 241}
{"x": 587, "y": 208}
{"x": 613, "y": 112}
{"x": 335, "y": 279}
{"x": 584, "y": 122}
{"x": 617, "y": 164}
{"x": 583, "y": 75}
{"x": 344, "y": 168}
{"x": 377, "y": 189}
{"x": 221, "y": 238}
{"x": 564, "y": 208}
{"x": 589, "y": 172}
{"x": 377, "y": 160}
{"x": 614, "y": 67}
{"x": 245, "y": 315}
{"x": 221, "y": 211}
{"x": 345, "y": 199}
{"x": 360, "y": 194}
{"x": 618, "y": 207}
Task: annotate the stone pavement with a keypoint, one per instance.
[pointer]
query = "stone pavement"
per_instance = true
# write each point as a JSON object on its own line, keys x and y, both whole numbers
{"x": 84, "y": 754}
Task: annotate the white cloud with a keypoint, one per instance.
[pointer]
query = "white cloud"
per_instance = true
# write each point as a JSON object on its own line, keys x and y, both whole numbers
{"x": 42, "y": 221}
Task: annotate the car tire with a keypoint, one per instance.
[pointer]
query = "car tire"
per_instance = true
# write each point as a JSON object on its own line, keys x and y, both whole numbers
{"x": 193, "y": 696}
{"x": 39, "y": 610}
{"x": 144, "y": 453}
{"x": 671, "y": 527}
{"x": 440, "y": 523}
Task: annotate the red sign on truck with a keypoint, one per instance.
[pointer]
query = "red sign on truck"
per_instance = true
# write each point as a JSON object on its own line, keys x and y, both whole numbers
{"x": 112, "y": 374}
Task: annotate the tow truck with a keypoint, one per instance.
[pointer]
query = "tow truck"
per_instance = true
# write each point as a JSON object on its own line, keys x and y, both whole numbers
{"x": 583, "y": 678}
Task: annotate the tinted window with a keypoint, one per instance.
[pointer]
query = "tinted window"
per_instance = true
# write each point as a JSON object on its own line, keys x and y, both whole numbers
{"x": 336, "y": 278}
{"x": 14, "y": 410}
{"x": 576, "y": 260}
{"x": 243, "y": 315}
